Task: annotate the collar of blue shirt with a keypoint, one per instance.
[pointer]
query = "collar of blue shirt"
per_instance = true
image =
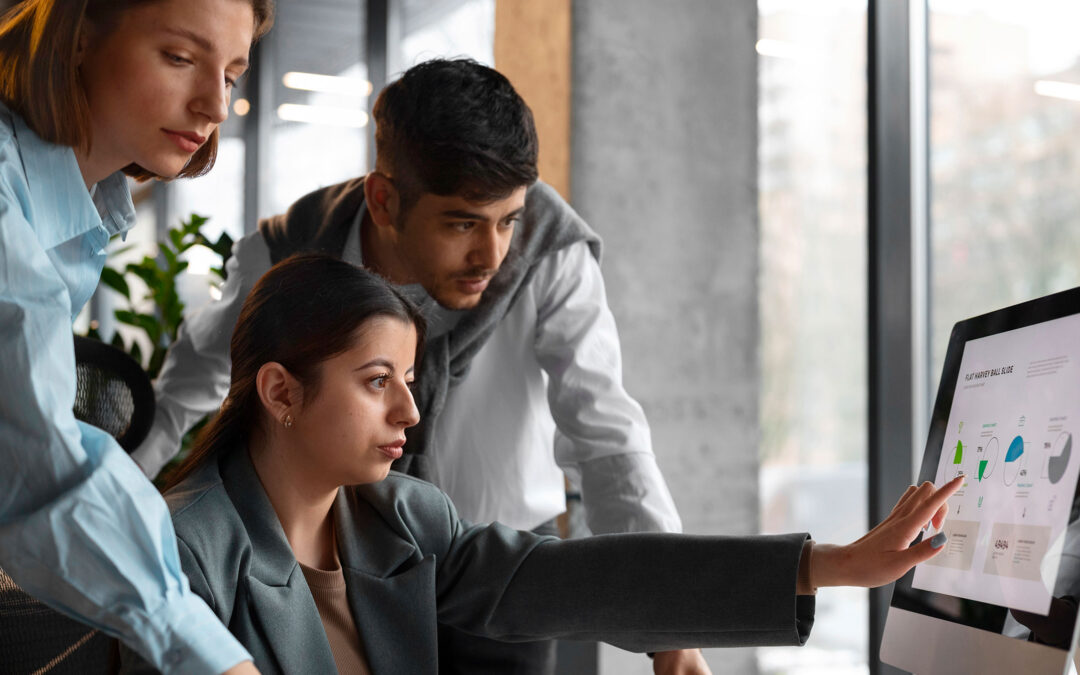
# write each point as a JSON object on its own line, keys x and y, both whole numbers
{"x": 57, "y": 191}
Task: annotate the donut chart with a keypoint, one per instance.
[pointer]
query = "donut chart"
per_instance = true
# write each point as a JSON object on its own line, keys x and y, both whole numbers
{"x": 986, "y": 459}
{"x": 1058, "y": 460}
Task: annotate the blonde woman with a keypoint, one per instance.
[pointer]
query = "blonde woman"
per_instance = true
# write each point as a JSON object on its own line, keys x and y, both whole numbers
{"x": 91, "y": 90}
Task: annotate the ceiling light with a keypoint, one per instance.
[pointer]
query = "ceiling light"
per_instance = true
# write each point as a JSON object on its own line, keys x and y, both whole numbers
{"x": 321, "y": 114}
{"x": 1065, "y": 90}
{"x": 349, "y": 86}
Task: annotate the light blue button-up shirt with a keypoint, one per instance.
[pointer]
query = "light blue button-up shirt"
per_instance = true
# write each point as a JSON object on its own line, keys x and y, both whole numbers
{"x": 81, "y": 528}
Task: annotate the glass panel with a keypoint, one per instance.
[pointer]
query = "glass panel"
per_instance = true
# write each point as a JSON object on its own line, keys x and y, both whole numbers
{"x": 812, "y": 181}
{"x": 447, "y": 28}
{"x": 321, "y": 90}
{"x": 1004, "y": 157}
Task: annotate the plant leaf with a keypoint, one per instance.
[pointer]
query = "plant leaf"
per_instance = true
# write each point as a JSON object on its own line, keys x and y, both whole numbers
{"x": 115, "y": 281}
{"x": 156, "y": 359}
{"x": 145, "y": 271}
{"x": 170, "y": 257}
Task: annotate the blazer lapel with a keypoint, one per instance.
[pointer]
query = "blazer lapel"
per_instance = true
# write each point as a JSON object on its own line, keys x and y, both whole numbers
{"x": 291, "y": 625}
{"x": 391, "y": 590}
{"x": 280, "y": 600}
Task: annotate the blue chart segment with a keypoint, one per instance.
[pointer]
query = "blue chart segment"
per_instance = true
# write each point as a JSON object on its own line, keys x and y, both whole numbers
{"x": 1014, "y": 460}
{"x": 1016, "y": 448}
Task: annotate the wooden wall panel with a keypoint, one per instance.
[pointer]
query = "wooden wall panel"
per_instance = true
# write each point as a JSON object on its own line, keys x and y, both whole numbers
{"x": 532, "y": 48}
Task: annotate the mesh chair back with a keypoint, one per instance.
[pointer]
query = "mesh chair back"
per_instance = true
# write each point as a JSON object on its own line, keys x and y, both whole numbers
{"x": 36, "y": 639}
{"x": 112, "y": 393}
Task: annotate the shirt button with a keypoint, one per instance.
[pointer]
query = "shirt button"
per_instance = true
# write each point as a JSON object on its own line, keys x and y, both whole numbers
{"x": 173, "y": 657}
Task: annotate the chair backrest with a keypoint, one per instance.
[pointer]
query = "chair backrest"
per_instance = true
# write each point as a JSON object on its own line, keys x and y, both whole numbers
{"x": 36, "y": 639}
{"x": 112, "y": 393}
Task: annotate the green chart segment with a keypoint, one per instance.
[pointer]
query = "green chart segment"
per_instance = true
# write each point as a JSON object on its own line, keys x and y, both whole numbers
{"x": 957, "y": 467}
{"x": 986, "y": 458}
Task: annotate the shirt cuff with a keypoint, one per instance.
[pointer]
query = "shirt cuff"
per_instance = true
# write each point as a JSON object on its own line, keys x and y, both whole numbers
{"x": 189, "y": 639}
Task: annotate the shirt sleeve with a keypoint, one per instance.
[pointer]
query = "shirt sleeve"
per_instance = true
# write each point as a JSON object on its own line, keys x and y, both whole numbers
{"x": 80, "y": 527}
{"x": 194, "y": 378}
{"x": 602, "y": 439}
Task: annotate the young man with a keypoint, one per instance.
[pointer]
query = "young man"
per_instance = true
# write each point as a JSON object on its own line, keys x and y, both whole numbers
{"x": 521, "y": 378}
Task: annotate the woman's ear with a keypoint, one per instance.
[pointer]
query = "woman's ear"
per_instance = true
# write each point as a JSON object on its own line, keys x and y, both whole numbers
{"x": 82, "y": 40}
{"x": 382, "y": 199}
{"x": 281, "y": 393}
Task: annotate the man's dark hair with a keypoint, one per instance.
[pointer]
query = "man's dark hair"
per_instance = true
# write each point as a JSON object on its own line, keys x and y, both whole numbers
{"x": 454, "y": 127}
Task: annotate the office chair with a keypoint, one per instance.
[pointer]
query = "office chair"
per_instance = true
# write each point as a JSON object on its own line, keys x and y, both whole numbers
{"x": 112, "y": 393}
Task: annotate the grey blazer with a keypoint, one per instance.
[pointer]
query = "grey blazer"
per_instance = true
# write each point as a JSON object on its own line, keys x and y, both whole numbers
{"x": 410, "y": 563}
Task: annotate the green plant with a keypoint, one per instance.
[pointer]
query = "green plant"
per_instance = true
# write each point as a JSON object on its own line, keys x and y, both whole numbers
{"x": 161, "y": 321}
{"x": 160, "y": 310}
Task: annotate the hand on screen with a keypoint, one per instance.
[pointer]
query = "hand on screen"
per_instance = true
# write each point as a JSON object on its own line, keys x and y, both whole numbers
{"x": 885, "y": 553}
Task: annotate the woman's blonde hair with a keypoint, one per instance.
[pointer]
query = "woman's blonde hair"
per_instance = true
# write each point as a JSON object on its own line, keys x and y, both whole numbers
{"x": 39, "y": 78}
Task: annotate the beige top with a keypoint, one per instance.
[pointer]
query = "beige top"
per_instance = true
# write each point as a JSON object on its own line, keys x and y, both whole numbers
{"x": 328, "y": 589}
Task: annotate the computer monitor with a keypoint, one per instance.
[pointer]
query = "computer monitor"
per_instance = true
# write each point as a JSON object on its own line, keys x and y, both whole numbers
{"x": 1002, "y": 596}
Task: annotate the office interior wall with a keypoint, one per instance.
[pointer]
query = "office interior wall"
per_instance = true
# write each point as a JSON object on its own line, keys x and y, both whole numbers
{"x": 664, "y": 167}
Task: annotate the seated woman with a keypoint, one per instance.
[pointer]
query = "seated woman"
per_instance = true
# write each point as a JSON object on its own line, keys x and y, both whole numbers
{"x": 319, "y": 560}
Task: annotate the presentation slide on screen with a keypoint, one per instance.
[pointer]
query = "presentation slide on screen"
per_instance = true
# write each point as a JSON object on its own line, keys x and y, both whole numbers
{"x": 1011, "y": 435}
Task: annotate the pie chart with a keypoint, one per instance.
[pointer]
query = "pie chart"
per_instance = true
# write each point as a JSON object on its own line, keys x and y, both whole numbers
{"x": 986, "y": 459}
{"x": 957, "y": 467}
{"x": 1058, "y": 461}
{"x": 1014, "y": 460}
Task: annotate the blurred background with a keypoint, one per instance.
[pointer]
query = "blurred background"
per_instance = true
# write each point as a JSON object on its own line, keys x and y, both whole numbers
{"x": 798, "y": 200}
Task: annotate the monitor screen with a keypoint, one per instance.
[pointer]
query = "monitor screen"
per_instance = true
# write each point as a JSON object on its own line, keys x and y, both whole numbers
{"x": 1009, "y": 432}
{"x": 1005, "y": 417}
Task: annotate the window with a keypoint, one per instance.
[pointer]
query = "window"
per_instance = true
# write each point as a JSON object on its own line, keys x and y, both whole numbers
{"x": 812, "y": 182}
{"x": 320, "y": 124}
{"x": 447, "y": 28}
{"x": 1004, "y": 157}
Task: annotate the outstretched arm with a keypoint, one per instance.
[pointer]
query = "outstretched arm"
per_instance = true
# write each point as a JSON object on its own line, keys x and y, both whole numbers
{"x": 884, "y": 554}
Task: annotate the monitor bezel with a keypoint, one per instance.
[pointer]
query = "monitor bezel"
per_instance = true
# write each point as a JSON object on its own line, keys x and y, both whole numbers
{"x": 979, "y": 615}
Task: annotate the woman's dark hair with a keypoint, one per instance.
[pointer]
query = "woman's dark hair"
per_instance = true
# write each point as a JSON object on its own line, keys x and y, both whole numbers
{"x": 305, "y": 310}
{"x": 454, "y": 127}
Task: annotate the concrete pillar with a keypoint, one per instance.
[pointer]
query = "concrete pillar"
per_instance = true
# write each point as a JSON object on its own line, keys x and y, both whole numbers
{"x": 664, "y": 167}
